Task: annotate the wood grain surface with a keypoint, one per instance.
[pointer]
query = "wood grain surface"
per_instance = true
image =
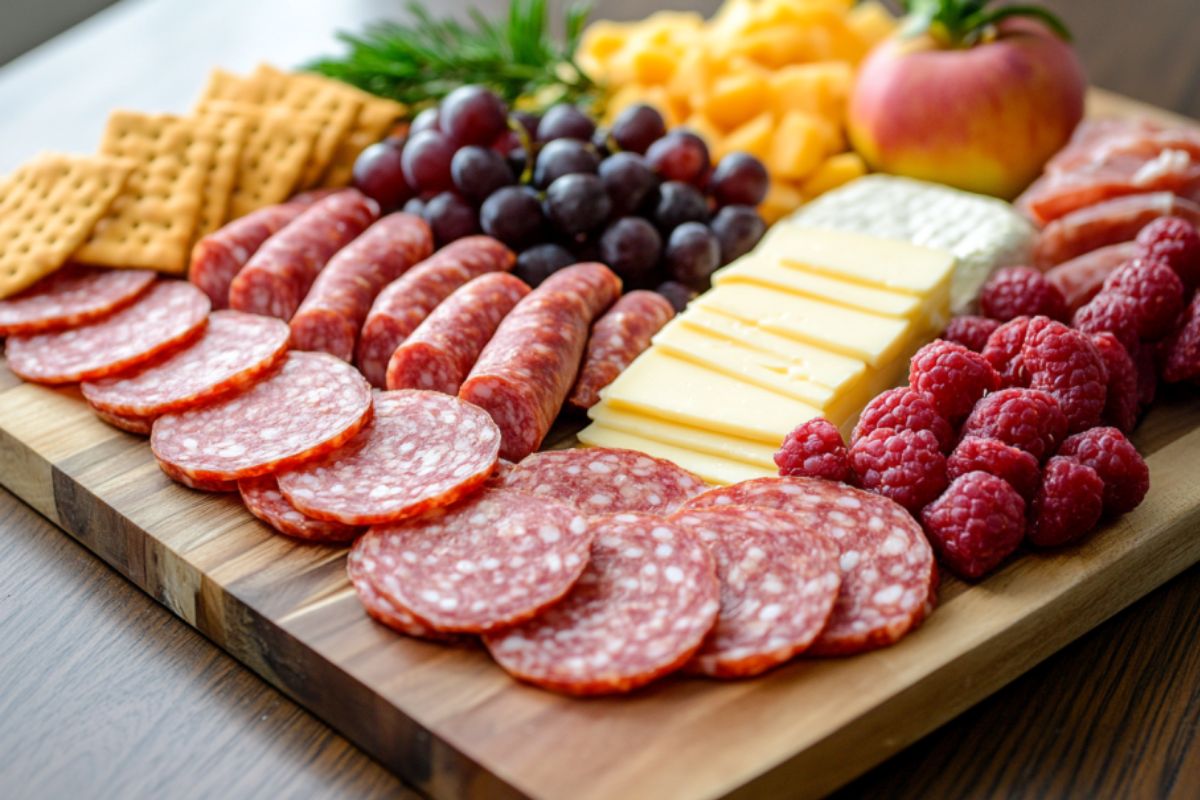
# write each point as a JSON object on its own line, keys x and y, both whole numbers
{"x": 1114, "y": 715}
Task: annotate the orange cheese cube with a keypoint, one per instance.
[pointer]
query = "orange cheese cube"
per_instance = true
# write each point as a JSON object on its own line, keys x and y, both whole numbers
{"x": 782, "y": 199}
{"x": 797, "y": 145}
{"x": 652, "y": 65}
{"x": 736, "y": 99}
{"x": 753, "y": 137}
{"x": 821, "y": 88}
{"x": 832, "y": 173}
{"x": 871, "y": 21}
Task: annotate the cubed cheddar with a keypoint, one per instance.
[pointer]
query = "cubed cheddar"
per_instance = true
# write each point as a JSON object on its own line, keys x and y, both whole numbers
{"x": 798, "y": 145}
{"x": 832, "y": 173}
{"x": 736, "y": 99}
{"x": 753, "y": 137}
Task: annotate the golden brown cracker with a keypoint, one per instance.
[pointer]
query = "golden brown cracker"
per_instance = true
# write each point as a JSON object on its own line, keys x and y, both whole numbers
{"x": 217, "y": 199}
{"x": 376, "y": 118}
{"x": 225, "y": 85}
{"x": 47, "y": 209}
{"x": 151, "y": 222}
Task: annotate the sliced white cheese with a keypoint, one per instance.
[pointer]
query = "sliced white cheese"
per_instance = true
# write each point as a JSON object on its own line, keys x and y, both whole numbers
{"x": 703, "y": 441}
{"x": 713, "y": 469}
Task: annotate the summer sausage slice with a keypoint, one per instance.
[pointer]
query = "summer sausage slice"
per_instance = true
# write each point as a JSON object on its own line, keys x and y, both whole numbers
{"x": 407, "y": 301}
{"x": 218, "y": 257}
{"x": 440, "y": 353}
{"x": 617, "y": 339}
{"x": 71, "y": 297}
{"x": 137, "y": 425}
{"x": 264, "y": 500}
{"x": 640, "y": 610}
{"x": 333, "y": 312}
{"x": 524, "y": 373}
{"x": 364, "y": 560}
{"x": 278, "y": 276}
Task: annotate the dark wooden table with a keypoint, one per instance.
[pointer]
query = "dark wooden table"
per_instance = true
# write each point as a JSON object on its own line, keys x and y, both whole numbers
{"x": 103, "y": 693}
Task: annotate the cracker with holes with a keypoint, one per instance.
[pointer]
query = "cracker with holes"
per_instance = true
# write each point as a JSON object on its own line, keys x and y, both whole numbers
{"x": 150, "y": 224}
{"x": 47, "y": 209}
{"x": 375, "y": 119}
{"x": 278, "y": 144}
{"x": 225, "y": 85}
{"x": 217, "y": 198}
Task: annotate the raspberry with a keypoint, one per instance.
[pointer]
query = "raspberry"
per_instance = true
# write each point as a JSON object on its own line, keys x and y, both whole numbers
{"x": 1121, "y": 402}
{"x": 1182, "y": 361}
{"x": 907, "y": 466}
{"x": 970, "y": 331}
{"x": 1024, "y": 418}
{"x": 904, "y": 409}
{"x": 1021, "y": 291}
{"x": 1017, "y": 467}
{"x": 1176, "y": 242}
{"x": 814, "y": 450}
{"x": 1155, "y": 289}
{"x": 1112, "y": 312}
{"x": 1003, "y": 351}
{"x": 953, "y": 376}
{"x": 977, "y": 523}
{"x": 1118, "y": 463}
{"x": 1064, "y": 363}
{"x": 1146, "y": 362}
{"x": 1068, "y": 503}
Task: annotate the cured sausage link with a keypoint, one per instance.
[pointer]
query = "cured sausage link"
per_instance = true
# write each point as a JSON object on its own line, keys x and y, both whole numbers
{"x": 218, "y": 257}
{"x": 277, "y": 277}
{"x": 333, "y": 312}
{"x": 617, "y": 339}
{"x": 524, "y": 373}
{"x": 441, "y": 351}
{"x": 407, "y": 301}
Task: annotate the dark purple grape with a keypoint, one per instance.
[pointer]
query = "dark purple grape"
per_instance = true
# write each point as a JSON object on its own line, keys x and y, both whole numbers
{"x": 739, "y": 180}
{"x": 479, "y": 171}
{"x": 602, "y": 142}
{"x": 527, "y": 120}
{"x": 415, "y": 205}
{"x": 678, "y": 203}
{"x": 472, "y": 115}
{"x": 426, "y": 120}
{"x": 379, "y": 174}
{"x": 450, "y": 217}
{"x": 693, "y": 255}
{"x": 565, "y": 121}
{"x": 738, "y": 229}
{"x": 426, "y": 161}
{"x": 631, "y": 247}
{"x": 563, "y": 157}
{"x": 678, "y": 294}
{"x": 679, "y": 156}
{"x": 628, "y": 180}
{"x": 577, "y": 203}
{"x": 541, "y": 261}
{"x": 516, "y": 162}
{"x": 586, "y": 248}
{"x": 513, "y": 215}
{"x": 638, "y": 127}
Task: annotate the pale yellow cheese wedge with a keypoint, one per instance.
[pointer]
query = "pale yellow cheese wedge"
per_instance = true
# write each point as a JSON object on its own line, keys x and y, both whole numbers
{"x": 703, "y": 441}
{"x": 713, "y": 469}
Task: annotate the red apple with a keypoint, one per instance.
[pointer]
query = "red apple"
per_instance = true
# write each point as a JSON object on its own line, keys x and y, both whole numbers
{"x": 981, "y": 108}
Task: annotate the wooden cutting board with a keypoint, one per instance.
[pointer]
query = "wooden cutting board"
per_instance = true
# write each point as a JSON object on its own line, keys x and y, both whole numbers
{"x": 450, "y": 722}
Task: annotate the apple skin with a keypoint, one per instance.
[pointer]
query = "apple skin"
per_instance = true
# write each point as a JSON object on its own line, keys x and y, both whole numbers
{"x": 985, "y": 119}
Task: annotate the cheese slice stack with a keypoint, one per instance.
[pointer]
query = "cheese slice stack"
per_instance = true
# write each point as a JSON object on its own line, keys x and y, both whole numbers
{"x": 813, "y": 323}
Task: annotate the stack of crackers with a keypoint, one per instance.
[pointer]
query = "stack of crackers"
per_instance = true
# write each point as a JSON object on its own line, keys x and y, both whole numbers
{"x": 161, "y": 181}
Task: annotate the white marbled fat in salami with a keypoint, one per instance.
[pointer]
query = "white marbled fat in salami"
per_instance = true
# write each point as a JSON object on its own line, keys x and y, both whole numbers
{"x": 234, "y": 352}
{"x": 888, "y": 572}
{"x": 640, "y": 610}
{"x": 169, "y": 315}
{"x": 600, "y": 480}
{"x": 264, "y": 500}
{"x": 312, "y": 405}
{"x": 779, "y": 582}
{"x": 71, "y": 297}
{"x": 422, "y": 450}
{"x": 494, "y": 560}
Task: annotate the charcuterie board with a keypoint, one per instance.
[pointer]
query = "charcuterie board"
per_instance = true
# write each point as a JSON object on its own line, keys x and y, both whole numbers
{"x": 450, "y": 722}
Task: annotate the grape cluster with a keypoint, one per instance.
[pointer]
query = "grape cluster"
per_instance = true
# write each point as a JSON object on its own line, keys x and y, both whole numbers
{"x": 558, "y": 190}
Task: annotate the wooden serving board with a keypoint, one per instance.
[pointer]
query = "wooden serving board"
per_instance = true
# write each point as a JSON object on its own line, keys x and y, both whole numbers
{"x": 452, "y": 723}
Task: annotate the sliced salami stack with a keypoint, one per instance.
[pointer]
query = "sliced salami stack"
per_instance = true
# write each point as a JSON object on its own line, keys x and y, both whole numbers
{"x": 72, "y": 297}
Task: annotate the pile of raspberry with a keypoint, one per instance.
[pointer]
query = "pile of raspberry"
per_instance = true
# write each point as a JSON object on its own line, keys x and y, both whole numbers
{"x": 1012, "y": 428}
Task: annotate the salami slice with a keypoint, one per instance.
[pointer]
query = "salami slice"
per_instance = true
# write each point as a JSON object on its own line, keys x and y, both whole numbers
{"x": 407, "y": 301}
{"x": 363, "y": 561}
{"x": 70, "y": 297}
{"x": 169, "y": 315}
{"x": 220, "y": 256}
{"x": 495, "y": 560}
{"x": 200, "y": 484}
{"x": 264, "y": 500}
{"x": 640, "y": 610}
{"x": 235, "y": 351}
{"x": 524, "y": 373}
{"x": 600, "y": 480}
{"x": 617, "y": 339}
{"x": 278, "y": 276}
{"x": 779, "y": 583}
{"x": 312, "y": 405}
{"x": 421, "y": 451}
{"x": 888, "y": 572}
{"x": 441, "y": 351}
{"x": 333, "y": 312}
{"x": 138, "y": 425}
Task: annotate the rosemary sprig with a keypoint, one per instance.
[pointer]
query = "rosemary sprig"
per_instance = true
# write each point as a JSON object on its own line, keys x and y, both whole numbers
{"x": 421, "y": 61}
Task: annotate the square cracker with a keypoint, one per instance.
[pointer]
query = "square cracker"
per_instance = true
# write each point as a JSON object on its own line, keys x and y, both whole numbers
{"x": 278, "y": 143}
{"x": 47, "y": 209}
{"x": 224, "y": 85}
{"x": 230, "y": 137}
{"x": 151, "y": 222}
